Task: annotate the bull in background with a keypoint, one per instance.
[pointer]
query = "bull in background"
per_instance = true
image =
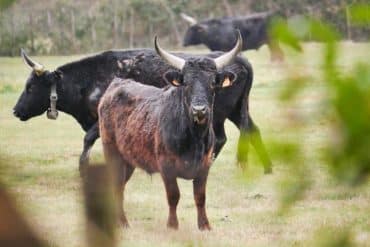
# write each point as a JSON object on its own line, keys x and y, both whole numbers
{"x": 79, "y": 86}
{"x": 219, "y": 34}
{"x": 166, "y": 130}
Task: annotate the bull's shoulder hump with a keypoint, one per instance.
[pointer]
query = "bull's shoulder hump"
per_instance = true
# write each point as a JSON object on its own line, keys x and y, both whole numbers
{"x": 131, "y": 88}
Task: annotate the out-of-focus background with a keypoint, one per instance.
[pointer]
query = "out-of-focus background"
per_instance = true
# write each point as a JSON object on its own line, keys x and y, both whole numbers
{"x": 61, "y": 27}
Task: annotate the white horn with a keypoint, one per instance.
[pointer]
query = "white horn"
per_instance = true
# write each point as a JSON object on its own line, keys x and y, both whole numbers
{"x": 168, "y": 57}
{"x": 38, "y": 68}
{"x": 228, "y": 57}
{"x": 191, "y": 20}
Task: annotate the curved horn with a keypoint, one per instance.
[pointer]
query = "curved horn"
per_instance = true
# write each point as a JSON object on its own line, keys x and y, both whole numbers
{"x": 38, "y": 68}
{"x": 191, "y": 20}
{"x": 168, "y": 57}
{"x": 226, "y": 58}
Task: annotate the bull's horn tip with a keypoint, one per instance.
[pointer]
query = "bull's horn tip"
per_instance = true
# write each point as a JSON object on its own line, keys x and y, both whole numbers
{"x": 155, "y": 42}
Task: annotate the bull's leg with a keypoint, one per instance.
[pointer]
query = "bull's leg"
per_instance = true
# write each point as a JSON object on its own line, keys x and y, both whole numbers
{"x": 127, "y": 172}
{"x": 276, "y": 54}
{"x": 249, "y": 132}
{"x": 122, "y": 173}
{"x": 199, "y": 188}
{"x": 173, "y": 196}
{"x": 243, "y": 149}
{"x": 241, "y": 121}
{"x": 257, "y": 143}
{"x": 91, "y": 135}
{"x": 220, "y": 138}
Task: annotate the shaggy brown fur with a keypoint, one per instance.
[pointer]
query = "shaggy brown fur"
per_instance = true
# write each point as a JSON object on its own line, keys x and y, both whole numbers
{"x": 133, "y": 119}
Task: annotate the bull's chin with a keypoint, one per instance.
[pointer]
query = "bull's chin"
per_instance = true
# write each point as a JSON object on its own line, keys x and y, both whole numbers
{"x": 23, "y": 119}
{"x": 200, "y": 121}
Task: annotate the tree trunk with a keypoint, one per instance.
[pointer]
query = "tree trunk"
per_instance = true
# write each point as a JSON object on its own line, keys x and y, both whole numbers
{"x": 73, "y": 31}
{"x": 175, "y": 29}
{"x": 93, "y": 29}
{"x": 151, "y": 33}
{"x": 12, "y": 26}
{"x": 131, "y": 34}
{"x": 348, "y": 23}
{"x": 31, "y": 33}
{"x": 49, "y": 22}
{"x": 115, "y": 25}
{"x": 228, "y": 9}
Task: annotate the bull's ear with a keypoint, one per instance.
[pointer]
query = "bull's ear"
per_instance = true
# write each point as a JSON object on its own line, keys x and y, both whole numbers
{"x": 226, "y": 78}
{"x": 173, "y": 77}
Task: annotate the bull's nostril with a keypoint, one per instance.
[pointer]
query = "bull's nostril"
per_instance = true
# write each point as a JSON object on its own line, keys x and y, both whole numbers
{"x": 199, "y": 113}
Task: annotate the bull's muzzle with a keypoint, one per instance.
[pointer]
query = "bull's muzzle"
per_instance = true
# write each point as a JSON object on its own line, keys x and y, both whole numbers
{"x": 19, "y": 115}
{"x": 199, "y": 113}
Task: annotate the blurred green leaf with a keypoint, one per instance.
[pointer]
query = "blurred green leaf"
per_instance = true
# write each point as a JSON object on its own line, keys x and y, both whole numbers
{"x": 293, "y": 188}
{"x": 349, "y": 153}
{"x": 360, "y": 14}
{"x": 294, "y": 85}
{"x": 323, "y": 32}
{"x": 332, "y": 237}
{"x": 4, "y": 4}
{"x": 281, "y": 32}
{"x": 347, "y": 101}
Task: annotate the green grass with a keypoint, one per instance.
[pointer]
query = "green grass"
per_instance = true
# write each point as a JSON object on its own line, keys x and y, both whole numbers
{"x": 43, "y": 173}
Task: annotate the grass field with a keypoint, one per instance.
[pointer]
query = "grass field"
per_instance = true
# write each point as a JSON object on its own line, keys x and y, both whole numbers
{"x": 43, "y": 172}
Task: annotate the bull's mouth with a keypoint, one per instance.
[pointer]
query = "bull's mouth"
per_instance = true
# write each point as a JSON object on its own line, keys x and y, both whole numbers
{"x": 23, "y": 118}
{"x": 200, "y": 120}
{"x": 20, "y": 116}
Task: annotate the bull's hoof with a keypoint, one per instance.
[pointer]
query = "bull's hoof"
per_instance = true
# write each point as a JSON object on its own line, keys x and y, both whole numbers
{"x": 268, "y": 170}
{"x": 84, "y": 162}
{"x": 203, "y": 224}
{"x": 122, "y": 222}
{"x": 205, "y": 227}
{"x": 83, "y": 171}
{"x": 243, "y": 165}
{"x": 173, "y": 224}
{"x": 124, "y": 225}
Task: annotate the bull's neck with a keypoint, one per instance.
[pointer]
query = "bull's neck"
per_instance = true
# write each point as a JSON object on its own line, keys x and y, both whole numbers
{"x": 179, "y": 130}
{"x": 71, "y": 101}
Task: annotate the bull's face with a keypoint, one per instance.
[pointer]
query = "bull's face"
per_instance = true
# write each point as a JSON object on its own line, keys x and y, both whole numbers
{"x": 200, "y": 77}
{"x": 195, "y": 35}
{"x": 34, "y": 99}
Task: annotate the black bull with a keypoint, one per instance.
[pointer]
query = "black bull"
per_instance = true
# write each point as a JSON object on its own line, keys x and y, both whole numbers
{"x": 218, "y": 34}
{"x": 79, "y": 86}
